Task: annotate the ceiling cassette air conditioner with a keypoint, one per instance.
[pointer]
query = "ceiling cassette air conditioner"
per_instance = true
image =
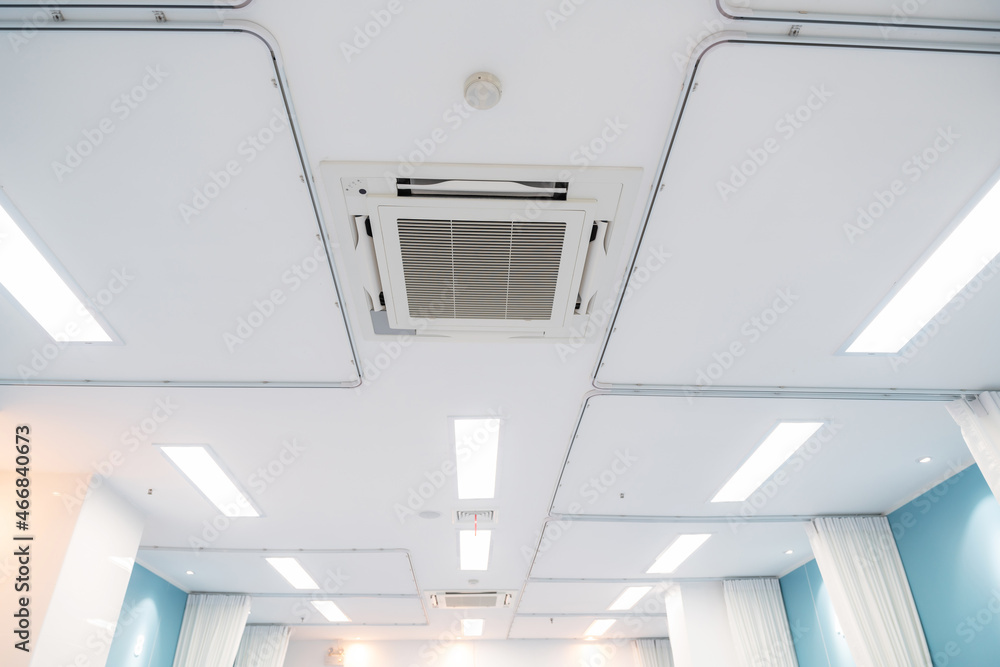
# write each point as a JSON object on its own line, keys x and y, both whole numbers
{"x": 477, "y": 252}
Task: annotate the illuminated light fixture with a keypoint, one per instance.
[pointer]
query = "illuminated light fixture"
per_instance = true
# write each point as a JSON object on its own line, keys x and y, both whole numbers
{"x": 476, "y": 443}
{"x": 678, "y": 552}
{"x": 599, "y": 627}
{"x": 789, "y": 552}
{"x": 629, "y": 597}
{"x": 190, "y": 572}
{"x": 39, "y": 288}
{"x": 202, "y": 470}
{"x": 779, "y": 445}
{"x": 472, "y": 627}
{"x": 331, "y": 611}
{"x": 474, "y": 549}
{"x": 966, "y": 251}
{"x": 294, "y": 573}
{"x": 926, "y": 459}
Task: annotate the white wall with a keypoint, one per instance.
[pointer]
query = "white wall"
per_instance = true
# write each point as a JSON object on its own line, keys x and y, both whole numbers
{"x": 511, "y": 653}
{"x": 51, "y": 524}
{"x": 699, "y": 626}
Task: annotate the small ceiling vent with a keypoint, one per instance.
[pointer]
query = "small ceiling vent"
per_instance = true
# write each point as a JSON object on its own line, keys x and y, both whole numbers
{"x": 471, "y": 600}
{"x": 475, "y": 516}
{"x": 479, "y": 251}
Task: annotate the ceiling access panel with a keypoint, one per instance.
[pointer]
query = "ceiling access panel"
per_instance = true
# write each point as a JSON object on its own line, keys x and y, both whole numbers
{"x": 661, "y": 456}
{"x": 773, "y": 265}
{"x": 163, "y": 171}
{"x": 355, "y": 572}
{"x": 591, "y": 550}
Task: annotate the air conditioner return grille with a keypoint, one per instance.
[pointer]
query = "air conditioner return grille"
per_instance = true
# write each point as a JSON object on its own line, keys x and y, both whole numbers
{"x": 491, "y": 270}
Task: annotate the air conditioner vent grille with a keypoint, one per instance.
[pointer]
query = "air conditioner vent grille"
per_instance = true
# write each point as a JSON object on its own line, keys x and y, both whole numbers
{"x": 470, "y": 600}
{"x": 498, "y": 270}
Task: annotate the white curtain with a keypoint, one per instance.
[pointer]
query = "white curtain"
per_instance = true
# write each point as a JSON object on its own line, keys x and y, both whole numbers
{"x": 860, "y": 564}
{"x": 263, "y": 646}
{"x": 758, "y": 622}
{"x": 211, "y": 630}
{"x": 653, "y": 652}
{"x": 979, "y": 420}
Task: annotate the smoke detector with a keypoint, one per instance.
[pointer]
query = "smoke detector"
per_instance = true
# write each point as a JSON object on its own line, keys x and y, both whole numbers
{"x": 482, "y": 91}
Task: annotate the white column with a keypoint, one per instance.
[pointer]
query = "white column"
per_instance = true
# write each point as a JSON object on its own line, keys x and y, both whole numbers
{"x": 93, "y": 573}
{"x": 979, "y": 420}
{"x": 699, "y": 625}
{"x": 864, "y": 575}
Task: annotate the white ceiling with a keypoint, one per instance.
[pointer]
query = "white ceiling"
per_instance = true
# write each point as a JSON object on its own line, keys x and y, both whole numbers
{"x": 354, "y": 454}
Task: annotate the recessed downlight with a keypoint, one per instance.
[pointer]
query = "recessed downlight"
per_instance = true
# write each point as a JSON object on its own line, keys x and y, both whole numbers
{"x": 189, "y": 572}
{"x": 474, "y": 549}
{"x": 476, "y": 444}
{"x": 33, "y": 282}
{"x": 197, "y": 464}
{"x": 678, "y": 552}
{"x": 331, "y": 611}
{"x": 473, "y": 627}
{"x": 926, "y": 459}
{"x": 789, "y": 552}
{"x": 777, "y": 447}
{"x": 293, "y": 572}
{"x": 966, "y": 251}
{"x": 629, "y": 597}
{"x": 599, "y": 627}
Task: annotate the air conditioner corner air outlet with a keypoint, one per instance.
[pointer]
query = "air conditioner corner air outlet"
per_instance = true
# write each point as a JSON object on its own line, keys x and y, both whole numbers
{"x": 480, "y": 252}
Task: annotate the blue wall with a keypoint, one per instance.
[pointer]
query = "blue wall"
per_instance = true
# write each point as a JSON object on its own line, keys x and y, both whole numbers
{"x": 815, "y": 632}
{"x": 949, "y": 542}
{"x": 151, "y": 614}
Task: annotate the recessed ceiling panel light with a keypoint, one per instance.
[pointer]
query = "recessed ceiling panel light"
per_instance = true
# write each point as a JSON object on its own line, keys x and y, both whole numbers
{"x": 331, "y": 611}
{"x": 629, "y": 597}
{"x": 966, "y": 251}
{"x": 926, "y": 459}
{"x": 779, "y": 445}
{"x": 789, "y": 552}
{"x": 189, "y": 572}
{"x": 294, "y": 573}
{"x": 472, "y": 627}
{"x": 474, "y": 549}
{"x": 678, "y": 552}
{"x": 201, "y": 468}
{"x": 599, "y": 627}
{"x": 38, "y": 287}
{"x": 476, "y": 442}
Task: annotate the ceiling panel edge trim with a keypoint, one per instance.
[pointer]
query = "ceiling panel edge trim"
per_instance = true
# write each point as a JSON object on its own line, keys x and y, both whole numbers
{"x": 694, "y": 62}
{"x": 261, "y": 33}
{"x": 877, "y": 21}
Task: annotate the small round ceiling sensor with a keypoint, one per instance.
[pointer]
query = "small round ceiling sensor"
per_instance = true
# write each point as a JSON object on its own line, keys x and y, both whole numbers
{"x": 482, "y": 91}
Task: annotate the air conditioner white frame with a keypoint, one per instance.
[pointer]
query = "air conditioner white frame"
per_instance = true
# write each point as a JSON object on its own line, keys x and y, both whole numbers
{"x": 612, "y": 191}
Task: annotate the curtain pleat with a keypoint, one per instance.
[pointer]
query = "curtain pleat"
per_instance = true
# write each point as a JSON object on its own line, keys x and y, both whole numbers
{"x": 653, "y": 652}
{"x": 860, "y": 564}
{"x": 979, "y": 420}
{"x": 759, "y": 623}
{"x": 211, "y": 630}
{"x": 263, "y": 646}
